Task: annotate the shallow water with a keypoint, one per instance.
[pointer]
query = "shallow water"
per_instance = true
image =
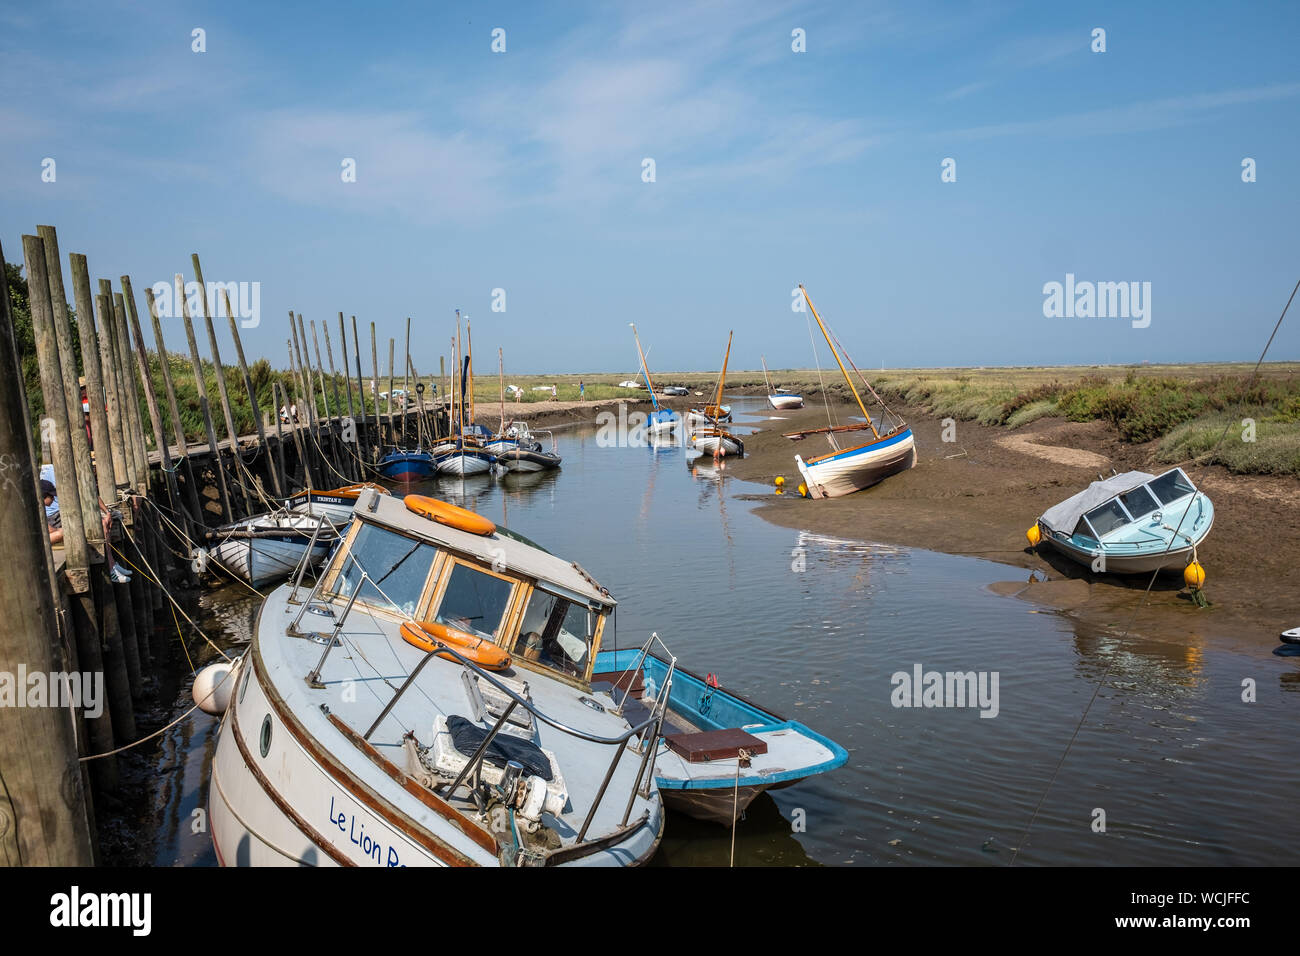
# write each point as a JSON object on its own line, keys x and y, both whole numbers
{"x": 814, "y": 627}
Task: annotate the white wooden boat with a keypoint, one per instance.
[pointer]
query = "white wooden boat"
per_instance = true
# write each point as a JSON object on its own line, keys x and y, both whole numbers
{"x": 428, "y": 703}
{"x": 709, "y": 437}
{"x": 267, "y": 548}
{"x": 852, "y": 464}
{"x": 777, "y": 398}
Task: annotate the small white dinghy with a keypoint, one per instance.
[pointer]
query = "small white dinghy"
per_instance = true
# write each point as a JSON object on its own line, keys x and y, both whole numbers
{"x": 779, "y": 399}
{"x": 1292, "y": 636}
{"x": 269, "y": 547}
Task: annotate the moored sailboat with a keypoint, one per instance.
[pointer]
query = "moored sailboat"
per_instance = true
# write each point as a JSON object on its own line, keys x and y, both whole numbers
{"x": 844, "y": 470}
{"x": 661, "y": 420}
{"x": 712, "y": 438}
{"x": 779, "y": 399}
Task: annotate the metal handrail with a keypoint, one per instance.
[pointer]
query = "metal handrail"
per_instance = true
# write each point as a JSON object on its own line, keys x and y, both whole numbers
{"x": 442, "y": 649}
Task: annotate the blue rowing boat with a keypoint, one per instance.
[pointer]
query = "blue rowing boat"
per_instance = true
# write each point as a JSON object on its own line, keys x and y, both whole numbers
{"x": 719, "y": 750}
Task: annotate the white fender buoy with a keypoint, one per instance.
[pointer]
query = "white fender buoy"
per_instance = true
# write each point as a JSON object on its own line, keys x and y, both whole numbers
{"x": 213, "y": 686}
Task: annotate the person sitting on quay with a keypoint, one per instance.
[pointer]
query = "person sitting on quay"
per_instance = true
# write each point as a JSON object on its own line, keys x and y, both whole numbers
{"x": 54, "y": 524}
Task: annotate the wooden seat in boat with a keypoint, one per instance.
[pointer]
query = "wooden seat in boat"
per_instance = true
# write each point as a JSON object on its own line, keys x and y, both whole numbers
{"x": 714, "y": 744}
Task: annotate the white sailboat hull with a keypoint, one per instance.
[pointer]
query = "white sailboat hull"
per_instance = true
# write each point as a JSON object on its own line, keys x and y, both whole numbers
{"x": 264, "y": 556}
{"x": 709, "y": 444}
{"x": 459, "y": 463}
{"x": 852, "y": 469}
{"x": 785, "y": 401}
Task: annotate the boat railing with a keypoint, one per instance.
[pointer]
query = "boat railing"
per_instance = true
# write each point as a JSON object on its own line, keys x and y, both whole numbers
{"x": 647, "y": 745}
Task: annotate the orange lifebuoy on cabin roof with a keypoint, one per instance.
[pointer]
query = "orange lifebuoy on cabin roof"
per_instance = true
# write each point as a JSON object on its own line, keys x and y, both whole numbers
{"x": 353, "y": 491}
{"x": 481, "y": 651}
{"x": 449, "y": 514}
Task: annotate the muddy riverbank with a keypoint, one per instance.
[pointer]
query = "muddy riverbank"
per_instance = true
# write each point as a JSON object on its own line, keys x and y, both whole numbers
{"x": 979, "y": 493}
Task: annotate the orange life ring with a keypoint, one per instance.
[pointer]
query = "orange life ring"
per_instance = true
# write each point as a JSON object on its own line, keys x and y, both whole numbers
{"x": 353, "y": 491}
{"x": 449, "y": 514}
{"x": 481, "y": 651}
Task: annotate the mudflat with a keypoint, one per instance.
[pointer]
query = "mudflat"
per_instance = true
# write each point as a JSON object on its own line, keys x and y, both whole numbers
{"x": 980, "y": 492}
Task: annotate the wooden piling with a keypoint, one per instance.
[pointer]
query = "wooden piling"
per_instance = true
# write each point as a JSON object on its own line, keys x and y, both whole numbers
{"x": 361, "y": 395}
{"x": 85, "y": 475}
{"x": 406, "y": 380}
{"x": 392, "y": 434}
{"x": 112, "y": 389}
{"x": 165, "y": 462}
{"x": 227, "y": 510}
{"x": 44, "y": 814}
{"x": 280, "y": 491}
{"x": 77, "y": 572}
{"x": 223, "y": 392}
{"x": 349, "y": 462}
{"x": 194, "y": 524}
{"x": 330, "y": 465}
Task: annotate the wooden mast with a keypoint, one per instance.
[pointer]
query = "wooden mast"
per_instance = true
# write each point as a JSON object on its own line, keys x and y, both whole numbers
{"x": 831, "y": 346}
{"x": 716, "y": 408}
{"x": 766, "y": 381}
{"x": 645, "y": 368}
{"x": 501, "y": 371}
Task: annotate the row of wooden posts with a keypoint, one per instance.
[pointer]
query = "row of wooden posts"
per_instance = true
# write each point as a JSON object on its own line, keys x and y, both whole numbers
{"x": 120, "y": 501}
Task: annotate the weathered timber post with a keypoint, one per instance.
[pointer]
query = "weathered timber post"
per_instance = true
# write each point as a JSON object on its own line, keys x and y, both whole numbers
{"x": 38, "y": 750}
{"x": 194, "y": 523}
{"x": 205, "y": 407}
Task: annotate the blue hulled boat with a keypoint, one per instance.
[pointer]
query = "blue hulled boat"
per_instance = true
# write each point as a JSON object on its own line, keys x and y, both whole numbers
{"x": 719, "y": 751}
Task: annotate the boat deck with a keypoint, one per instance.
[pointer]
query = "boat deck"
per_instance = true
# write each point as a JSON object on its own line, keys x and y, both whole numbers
{"x": 362, "y": 675}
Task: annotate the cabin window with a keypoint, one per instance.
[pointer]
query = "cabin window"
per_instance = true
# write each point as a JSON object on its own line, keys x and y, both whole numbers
{"x": 556, "y": 633}
{"x": 397, "y": 567}
{"x": 474, "y": 601}
{"x": 1139, "y": 502}
{"x": 1171, "y": 486}
{"x": 1108, "y": 517}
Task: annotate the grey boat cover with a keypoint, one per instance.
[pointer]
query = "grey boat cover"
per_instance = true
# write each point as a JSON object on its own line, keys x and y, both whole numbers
{"x": 1064, "y": 516}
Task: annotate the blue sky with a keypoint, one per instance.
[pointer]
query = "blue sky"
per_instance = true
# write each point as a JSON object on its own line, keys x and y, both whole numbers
{"x": 522, "y": 171}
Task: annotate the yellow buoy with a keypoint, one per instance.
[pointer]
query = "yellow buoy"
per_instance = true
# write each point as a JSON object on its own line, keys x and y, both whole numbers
{"x": 1194, "y": 576}
{"x": 780, "y": 480}
{"x": 1034, "y": 536}
{"x": 803, "y": 491}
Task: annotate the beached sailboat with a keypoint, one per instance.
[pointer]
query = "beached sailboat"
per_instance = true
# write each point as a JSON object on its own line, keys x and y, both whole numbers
{"x": 477, "y": 739}
{"x": 1131, "y": 523}
{"x": 662, "y": 419}
{"x": 718, "y": 751}
{"x": 779, "y": 399}
{"x": 267, "y": 548}
{"x": 713, "y": 439}
{"x": 844, "y": 470}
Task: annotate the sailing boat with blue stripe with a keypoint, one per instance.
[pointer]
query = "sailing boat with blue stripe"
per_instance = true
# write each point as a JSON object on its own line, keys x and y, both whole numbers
{"x": 844, "y": 470}
{"x": 662, "y": 420}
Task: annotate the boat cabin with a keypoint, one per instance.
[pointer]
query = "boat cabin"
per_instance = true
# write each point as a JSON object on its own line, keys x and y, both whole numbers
{"x": 1141, "y": 501}
{"x": 418, "y": 560}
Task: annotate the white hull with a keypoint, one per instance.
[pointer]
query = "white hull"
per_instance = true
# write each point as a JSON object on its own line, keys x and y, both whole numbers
{"x": 264, "y": 559}
{"x": 708, "y": 444}
{"x": 459, "y": 463}
{"x": 854, "y": 469}
{"x": 294, "y": 784}
{"x": 785, "y": 401}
